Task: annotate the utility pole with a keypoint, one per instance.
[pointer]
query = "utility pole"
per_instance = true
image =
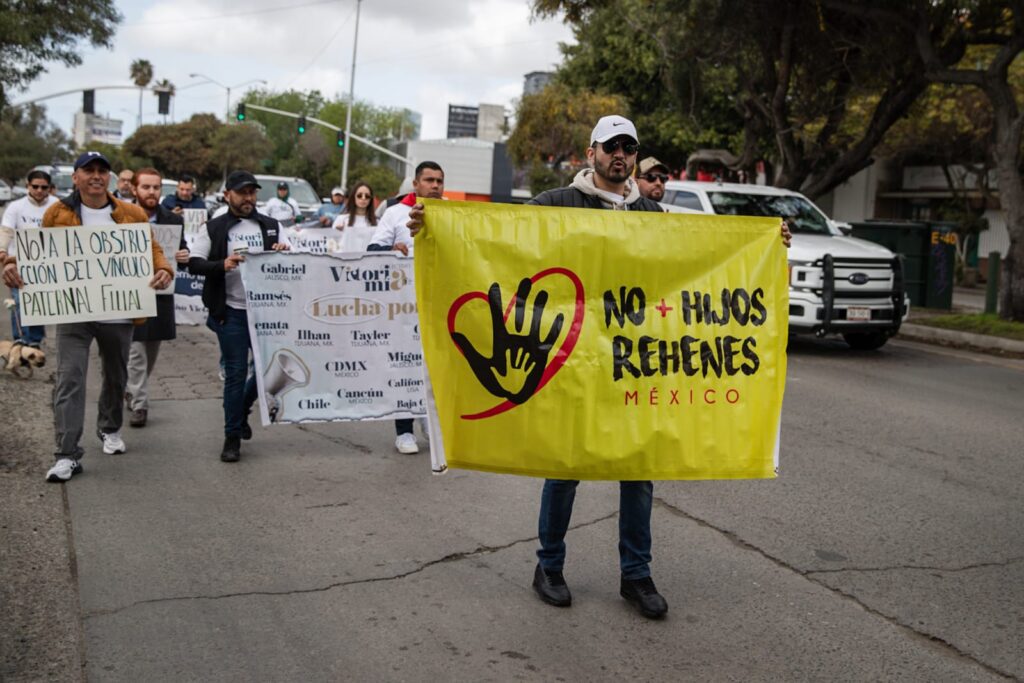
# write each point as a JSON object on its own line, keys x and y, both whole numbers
{"x": 351, "y": 101}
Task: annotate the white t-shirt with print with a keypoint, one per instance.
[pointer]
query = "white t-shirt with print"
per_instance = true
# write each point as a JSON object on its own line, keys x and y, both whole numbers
{"x": 355, "y": 237}
{"x": 243, "y": 237}
{"x": 20, "y": 214}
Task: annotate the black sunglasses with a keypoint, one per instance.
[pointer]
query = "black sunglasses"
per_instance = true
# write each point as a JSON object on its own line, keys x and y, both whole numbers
{"x": 611, "y": 146}
{"x": 651, "y": 177}
{"x": 39, "y": 187}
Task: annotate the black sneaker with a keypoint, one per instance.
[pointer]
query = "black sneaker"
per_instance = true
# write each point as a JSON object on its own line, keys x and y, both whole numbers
{"x": 246, "y": 431}
{"x": 232, "y": 449}
{"x": 551, "y": 587}
{"x": 642, "y": 594}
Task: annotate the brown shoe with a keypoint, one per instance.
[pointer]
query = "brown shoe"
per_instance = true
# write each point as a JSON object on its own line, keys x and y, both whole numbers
{"x": 138, "y": 418}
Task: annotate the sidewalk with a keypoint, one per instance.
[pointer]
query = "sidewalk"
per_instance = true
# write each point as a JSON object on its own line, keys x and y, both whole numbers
{"x": 965, "y": 300}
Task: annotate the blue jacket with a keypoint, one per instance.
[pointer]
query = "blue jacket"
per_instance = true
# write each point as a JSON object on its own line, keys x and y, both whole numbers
{"x": 172, "y": 201}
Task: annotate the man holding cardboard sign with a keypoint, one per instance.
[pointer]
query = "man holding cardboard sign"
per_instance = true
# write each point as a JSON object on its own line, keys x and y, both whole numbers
{"x": 91, "y": 205}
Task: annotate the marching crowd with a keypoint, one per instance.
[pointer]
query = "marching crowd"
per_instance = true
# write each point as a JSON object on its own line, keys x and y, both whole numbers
{"x": 128, "y": 349}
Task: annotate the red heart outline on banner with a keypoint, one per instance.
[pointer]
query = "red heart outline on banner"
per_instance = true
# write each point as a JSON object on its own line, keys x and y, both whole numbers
{"x": 561, "y": 355}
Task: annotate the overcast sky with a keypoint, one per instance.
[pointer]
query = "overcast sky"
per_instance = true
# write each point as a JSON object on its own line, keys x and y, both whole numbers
{"x": 423, "y": 55}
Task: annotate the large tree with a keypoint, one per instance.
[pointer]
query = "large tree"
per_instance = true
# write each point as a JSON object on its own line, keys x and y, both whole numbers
{"x": 27, "y": 139}
{"x": 180, "y": 148}
{"x": 33, "y": 32}
{"x": 937, "y": 28}
{"x": 776, "y": 75}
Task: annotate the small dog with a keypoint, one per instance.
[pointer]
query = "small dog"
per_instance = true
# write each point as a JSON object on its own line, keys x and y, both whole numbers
{"x": 21, "y": 360}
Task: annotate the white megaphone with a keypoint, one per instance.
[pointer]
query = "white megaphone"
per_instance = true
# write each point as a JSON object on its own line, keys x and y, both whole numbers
{"x": 285, "y": 372}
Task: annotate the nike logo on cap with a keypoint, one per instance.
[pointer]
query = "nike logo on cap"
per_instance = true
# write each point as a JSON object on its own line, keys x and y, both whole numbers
{"x": 617, "y": 123}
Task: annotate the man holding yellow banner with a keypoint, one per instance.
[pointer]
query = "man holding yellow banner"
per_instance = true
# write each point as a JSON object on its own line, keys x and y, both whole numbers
{"x": 636, "y": 346}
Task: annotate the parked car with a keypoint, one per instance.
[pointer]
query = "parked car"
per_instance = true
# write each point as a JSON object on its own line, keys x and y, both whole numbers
{"x": 60, "y": 174}
{"x": 837, "y": 284}
{"x": 5, "y": 192}
{"x": 300, "y": 190}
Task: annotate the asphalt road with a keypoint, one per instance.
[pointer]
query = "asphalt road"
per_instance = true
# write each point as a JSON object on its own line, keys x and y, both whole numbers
{"x": 888, "y": 549}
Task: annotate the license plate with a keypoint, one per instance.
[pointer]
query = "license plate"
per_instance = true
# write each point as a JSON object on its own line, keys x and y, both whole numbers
{"x": 858, "y": 313}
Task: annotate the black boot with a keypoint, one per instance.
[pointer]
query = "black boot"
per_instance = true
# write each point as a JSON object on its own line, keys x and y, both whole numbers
{"x": 231, "y": 451}
{"x": 551, "y": 587}
{"x": 642, "y": 594}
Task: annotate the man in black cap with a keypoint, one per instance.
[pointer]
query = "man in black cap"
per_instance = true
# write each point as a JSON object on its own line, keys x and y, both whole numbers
{"x": 651, "y": 177}
{"x": 216, "y": 253}
{"x": 283, "y": 207}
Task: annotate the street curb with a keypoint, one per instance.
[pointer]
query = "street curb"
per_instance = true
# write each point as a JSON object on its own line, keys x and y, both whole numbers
{"x": 938, "y": 335}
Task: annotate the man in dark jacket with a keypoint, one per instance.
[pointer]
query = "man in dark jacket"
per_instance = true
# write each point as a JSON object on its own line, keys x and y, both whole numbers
{"x": 184, "y": 198}
{"x": 606, "y": 184}
{"x": 146, "y": 187}
{"x": 216, "y": 253}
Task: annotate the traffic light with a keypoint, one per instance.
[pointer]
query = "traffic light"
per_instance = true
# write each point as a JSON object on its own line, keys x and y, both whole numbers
{"x": 240, "y": 113}
{"x": 341, "y": 139}
{"x": 88, "y": 101}
{"x": 163, "y": 102}
{"x": 302, "y": 125}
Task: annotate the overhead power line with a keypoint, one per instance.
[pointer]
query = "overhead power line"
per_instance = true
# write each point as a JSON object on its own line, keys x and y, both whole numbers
{"x": 268, "y": 10}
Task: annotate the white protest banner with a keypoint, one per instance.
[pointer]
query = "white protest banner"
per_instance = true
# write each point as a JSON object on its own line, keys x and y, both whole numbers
{"x": 194, "y": 219}
{"x": 169, "y": 239}
{"x": 314, "y": 240}
{"x": 188, "y": 294}
{"x": 334, "y": 337}
{"x": 83, "y": 273}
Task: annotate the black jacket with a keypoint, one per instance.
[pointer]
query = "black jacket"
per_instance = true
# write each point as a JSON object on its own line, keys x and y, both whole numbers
{"x": 212, "y": 267}
{"x": 571, "y": 197}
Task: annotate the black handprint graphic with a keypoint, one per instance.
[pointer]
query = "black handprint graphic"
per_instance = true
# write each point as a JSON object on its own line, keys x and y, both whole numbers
{"x": 525, "y": 353}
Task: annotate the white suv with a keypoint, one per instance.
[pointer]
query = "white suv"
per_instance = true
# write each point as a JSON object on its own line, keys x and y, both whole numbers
{"x": 837, "y": 284}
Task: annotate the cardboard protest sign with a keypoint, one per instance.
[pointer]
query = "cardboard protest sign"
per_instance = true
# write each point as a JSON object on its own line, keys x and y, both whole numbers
{"x": 334, "y": 338}
{"x": 590, "y": 344}
{"x": 86, "y": 273}
{"x": 169, "y": 239}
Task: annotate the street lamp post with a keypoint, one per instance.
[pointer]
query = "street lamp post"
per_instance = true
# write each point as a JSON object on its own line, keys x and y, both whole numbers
{"x": 351, "y": 100}
{"x": 227, "y": 91}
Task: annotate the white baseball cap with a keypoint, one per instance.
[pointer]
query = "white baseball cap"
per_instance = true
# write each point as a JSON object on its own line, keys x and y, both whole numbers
{"x": 612, "y": 126}
{"x": 338, "y": 190}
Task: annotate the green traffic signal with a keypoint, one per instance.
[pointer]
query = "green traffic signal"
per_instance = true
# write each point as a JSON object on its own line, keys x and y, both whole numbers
{"x": 240, "y": 115}
{"x": 302, "y": 125}
{"x": 341, "y": 139}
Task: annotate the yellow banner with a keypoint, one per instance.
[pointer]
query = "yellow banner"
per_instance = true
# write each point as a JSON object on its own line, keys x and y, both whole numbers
{"x": 590, "y": 344}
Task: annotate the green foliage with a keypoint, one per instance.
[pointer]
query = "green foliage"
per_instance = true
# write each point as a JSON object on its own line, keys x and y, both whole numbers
{"x": 180, "y": 148}
{"x": 315, "y": 155}
{"x": 118, "y": 157}
{"x": 554, "y": 125}
{"x": 240, "y": 146}
{"x": 28, "y": 139}
{"x": 141, "y": 72}
{"x": 978, "y": 323}
{"x": 542, "y": 177}
{"x": 33, "y": 33}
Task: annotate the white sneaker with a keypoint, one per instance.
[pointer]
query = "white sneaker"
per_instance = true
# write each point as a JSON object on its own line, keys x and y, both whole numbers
{"x": 63, "y": 469}
{"x": 406, "y": 443}
{"x": 113, "y": 443}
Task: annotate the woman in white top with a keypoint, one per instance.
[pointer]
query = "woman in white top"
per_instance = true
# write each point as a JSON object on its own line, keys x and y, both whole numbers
{"x": 359, "y": 220}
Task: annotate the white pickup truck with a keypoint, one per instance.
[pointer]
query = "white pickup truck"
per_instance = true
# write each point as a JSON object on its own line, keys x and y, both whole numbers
{"x": 837, "y": 284}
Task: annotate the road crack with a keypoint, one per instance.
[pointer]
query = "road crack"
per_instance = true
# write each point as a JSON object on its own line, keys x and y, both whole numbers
{"x": 451, "y": 557}
{"x": 932, "y": 639}
{"x": 921, "y": 567}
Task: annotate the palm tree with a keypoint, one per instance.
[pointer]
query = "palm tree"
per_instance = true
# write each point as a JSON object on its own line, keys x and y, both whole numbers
{"x": 141, "y": 72}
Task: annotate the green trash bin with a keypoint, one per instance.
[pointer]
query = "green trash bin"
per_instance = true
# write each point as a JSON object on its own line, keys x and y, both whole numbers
{"x": 909, "y": 239}
{"x": 941, "y": 266}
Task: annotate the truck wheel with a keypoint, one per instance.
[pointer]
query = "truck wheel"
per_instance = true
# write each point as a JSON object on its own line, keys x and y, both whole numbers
{"x": 866, "y": 341}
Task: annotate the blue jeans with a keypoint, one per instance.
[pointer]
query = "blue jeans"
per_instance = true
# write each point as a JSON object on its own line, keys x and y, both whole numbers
{"x": 31, "y": 335}
{"x": 239, "y": 392}
{"x": 635, "y": 500}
